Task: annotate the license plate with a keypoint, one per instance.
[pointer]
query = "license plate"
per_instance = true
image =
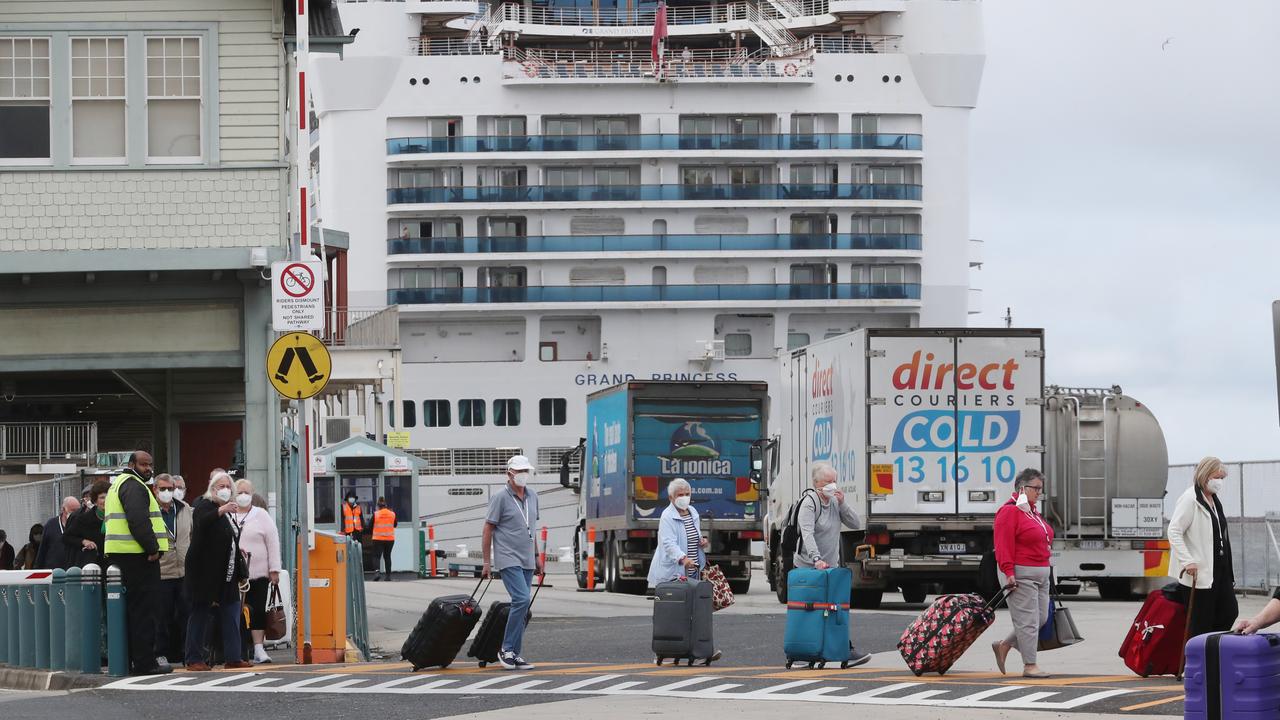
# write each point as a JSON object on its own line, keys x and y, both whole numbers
{"x": 952, "y": 548}
{"x": 1093, "y": 545}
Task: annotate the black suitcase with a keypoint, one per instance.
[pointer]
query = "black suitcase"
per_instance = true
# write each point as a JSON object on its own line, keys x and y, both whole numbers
{"x": 442, "y": 630}
{"x": 682, "y": 622}
{"x": 488, "y": 641}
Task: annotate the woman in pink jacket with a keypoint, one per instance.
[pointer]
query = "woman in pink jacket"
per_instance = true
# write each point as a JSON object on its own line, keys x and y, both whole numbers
{"x": 1024, "y": 543}
{"x": 260, "y": 540}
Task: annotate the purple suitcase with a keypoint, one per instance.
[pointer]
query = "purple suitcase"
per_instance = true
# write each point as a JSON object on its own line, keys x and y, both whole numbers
{"x": 1232, "y": 677}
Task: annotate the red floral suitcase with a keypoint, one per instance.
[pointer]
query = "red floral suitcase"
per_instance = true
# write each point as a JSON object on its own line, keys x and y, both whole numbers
{"x": 937, "y": 639}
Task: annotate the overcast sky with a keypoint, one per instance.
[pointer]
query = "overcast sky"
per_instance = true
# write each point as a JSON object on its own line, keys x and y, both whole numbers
{"x": 1128, "y": 197}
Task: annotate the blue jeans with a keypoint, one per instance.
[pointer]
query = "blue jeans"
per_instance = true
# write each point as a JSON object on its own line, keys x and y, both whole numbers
{"x": 230, "y": 622}
{"x": 519, "y": 583}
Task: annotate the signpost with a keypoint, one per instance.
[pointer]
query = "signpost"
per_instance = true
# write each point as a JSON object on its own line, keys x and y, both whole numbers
{"x": 297, "y": 295}
{"x": 298, "y": 365}
{"x": 398, "y": 439}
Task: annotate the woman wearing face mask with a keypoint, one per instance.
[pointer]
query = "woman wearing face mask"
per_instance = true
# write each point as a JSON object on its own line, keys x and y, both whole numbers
{"x": 1024, "y": 543}
{"x": 681, "y": 547}
{"x": 215, "y": 569}
{"x": 261, "y": 542}
{"x": 26, "y": 558}
{"x": 1200, "y": 551}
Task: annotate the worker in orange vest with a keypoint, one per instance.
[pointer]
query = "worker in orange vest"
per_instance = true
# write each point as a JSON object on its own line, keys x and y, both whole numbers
{"x": 352, "y": 517}
{"x": 384, "y": 536}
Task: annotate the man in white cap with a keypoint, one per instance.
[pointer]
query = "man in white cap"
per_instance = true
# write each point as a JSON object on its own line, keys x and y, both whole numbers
{"x": 508, "y": 536}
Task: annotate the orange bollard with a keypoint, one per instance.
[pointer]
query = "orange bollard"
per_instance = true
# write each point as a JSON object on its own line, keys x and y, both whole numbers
{"x": 431, "y": 536}
{"x": 542, "y": 557}
{"x": 591, "y": 558}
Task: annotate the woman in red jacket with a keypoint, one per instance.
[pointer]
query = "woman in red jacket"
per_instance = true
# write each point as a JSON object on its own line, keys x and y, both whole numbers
{"x": 1024, "y": 542}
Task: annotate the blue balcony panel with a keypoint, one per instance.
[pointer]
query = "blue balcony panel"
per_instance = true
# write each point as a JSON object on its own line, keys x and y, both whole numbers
{"x": 668, "y": 141}
{"x": 654, "y": 243}
{"x": 654, "y": 293}
{"x": 633, "y": 193}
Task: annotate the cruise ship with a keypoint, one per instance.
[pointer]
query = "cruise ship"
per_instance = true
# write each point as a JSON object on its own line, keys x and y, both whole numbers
{"x": 560, "y": 195}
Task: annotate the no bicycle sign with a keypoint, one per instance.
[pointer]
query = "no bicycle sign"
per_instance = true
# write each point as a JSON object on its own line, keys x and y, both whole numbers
{"x": 297, "y": 296}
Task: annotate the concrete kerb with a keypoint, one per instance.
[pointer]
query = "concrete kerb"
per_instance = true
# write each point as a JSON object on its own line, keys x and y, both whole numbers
{"x": 40, "y": 680}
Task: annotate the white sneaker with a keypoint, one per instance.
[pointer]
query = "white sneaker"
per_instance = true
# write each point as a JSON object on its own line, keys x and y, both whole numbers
{"x": 522, "y": 664}
{"x": 507, "y": 659}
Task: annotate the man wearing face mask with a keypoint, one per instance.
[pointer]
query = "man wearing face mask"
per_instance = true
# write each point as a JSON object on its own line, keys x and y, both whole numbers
{"x": 508, "y": 536}
{"x": 172, "y": 618}
{"x": 135, "y": 537}
{"x": 180, "y": 489}
{"x": 352, "y": 517}
{"x": 823, "y": 511}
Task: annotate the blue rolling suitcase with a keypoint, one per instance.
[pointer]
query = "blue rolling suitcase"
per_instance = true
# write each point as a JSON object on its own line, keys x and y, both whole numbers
{"x": 818, "y": 616}
{"x": 1232, "y": 677}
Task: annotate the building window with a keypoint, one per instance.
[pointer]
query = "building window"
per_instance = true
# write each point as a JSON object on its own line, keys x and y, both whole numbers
{"x": 506, "y": 412}
{"x": 551, "y": 411}
{"x": 173, "y": 99}
{"x": 98, "y": 99}
{"x": 796, "y": 340}
{"x": 737, "y": 345}
{"x": 410, "y": 413}
{"x": 24, "y": 98}
{"x": 471, "y": 413}
{"x": 435, "y": 413}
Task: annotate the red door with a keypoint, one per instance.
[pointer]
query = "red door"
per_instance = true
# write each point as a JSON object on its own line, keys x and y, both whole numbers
{"x": 205, "y": 445}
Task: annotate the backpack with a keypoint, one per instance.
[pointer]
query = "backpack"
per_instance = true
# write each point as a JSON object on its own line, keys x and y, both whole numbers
{"x": 791, "y": 542}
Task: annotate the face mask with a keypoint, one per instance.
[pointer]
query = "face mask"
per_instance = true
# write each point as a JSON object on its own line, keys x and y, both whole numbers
{"x": 683, "y": 502}
{"x": 244, "y": 500}
{"x": 520, "y": 479}
{"x": 1023, "y": 502}
{"x": 830, "y": 490}
{"x": 223, "y": 494}
{"x": 1216, "y": 485}
{"x": 351, "y": 502}
{"x": 179, "y": 494}
{"x": 165, "y": 496}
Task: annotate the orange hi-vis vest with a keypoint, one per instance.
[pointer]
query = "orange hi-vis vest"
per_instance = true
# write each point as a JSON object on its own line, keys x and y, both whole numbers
{"x": 352, "y": 519}
{"x": 384, "y": 525}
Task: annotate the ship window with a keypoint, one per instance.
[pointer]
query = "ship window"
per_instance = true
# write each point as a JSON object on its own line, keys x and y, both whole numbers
{"x": 892, "y": 175}
{"x": 548, "y": 352}
{"x": 564, "y": 177}
{"x": 471, "y": 413}
{"x": 551, "y": 411}
{"x": 510, "y": 177}
{"x": 506, "y": 412}
{"x": 659, "y": 274}
{"x": 719, "y": 224}
{"x": 508, "y": 126}
{"x": 813, "y": 274}
{"x": 746, "y": 175}
{"x": 505, "y": 226}
{"x": 737, "y": 345}
{"x": 410, "y": 413}
{"x": 866, "y": 124}
{"x": 611, "y": 126}
{"x": 697, "y": 125}
{"x": 563, "y": 126}
{"x": 613, "y": 176}
{"x": 745, "y": 126}
{"x": 884, "y": 224}
{"x": 697, "y": 175}
{"x": 435, "y": 413}
{"x": 797, "y": 339}
{"x": 593, "y": 275}
{"x": 804, "y": 124}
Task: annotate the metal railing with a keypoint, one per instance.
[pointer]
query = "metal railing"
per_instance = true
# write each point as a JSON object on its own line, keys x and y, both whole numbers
{"x": 362, "y": 327}
{"x": 855, "y": 44}
{"x": 427, "y": 45}
{"x": 655, "y": 293}
{"x": 465, "y": 461}
{"x": 765, "y": 20}
{"x": 632, "y": 193}
{"x": 645, "y": 16}
{"x": 48, "y": 441}
{"x": 643, "y": 243}
{"x": 357, "y": 608}
{"x": 654, "y": 141}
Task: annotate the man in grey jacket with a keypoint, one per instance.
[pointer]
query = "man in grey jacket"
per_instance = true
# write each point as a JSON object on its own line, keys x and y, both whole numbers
{"x": 822, "y": 512}
{"x": 171, "y": 623}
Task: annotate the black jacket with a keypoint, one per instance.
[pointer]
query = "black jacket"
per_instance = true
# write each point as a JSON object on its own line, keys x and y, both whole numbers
{"x": 81, "y": 526}
{"x": 212, "y": 541}
{"x": 53, "y": 554}
{"x": 135, "y": 496}
{"x": 6, "y": 555}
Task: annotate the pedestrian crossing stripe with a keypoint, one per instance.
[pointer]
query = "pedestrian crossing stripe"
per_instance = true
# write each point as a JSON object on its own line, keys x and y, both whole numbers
{"x": 702, "y": 687}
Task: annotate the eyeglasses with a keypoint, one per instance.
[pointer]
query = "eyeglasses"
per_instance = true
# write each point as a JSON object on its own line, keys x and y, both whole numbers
{"x": 1037, "y": 488}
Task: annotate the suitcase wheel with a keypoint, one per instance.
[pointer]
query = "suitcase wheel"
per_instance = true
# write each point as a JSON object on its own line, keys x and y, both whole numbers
{"x": 810, "y": 665}
{"x": 706, "y": 662}
{"x": 844, "y": 665}
{"x": 822, "y": 665}
{"x": 482, "y": 663}
{"x": 789, "y": 664}
{"x": 658, "y": 661}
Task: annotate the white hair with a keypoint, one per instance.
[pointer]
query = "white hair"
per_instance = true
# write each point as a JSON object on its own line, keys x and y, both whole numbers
{"x": 214, "y": 481}
{"x": 244, "y": 482}
{"x": 677, "y": 485}
{"x": 819, "y": 471}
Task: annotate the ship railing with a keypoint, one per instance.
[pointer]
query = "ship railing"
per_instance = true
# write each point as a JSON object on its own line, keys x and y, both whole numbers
{"x": 652, "y": 243}
{"x": 427, "y": 45}
{"x": 546, "y": 64}
{"x": 721, "y": 192}
{"x": 855, "y": 44}
{"x": 43, "y": 441}
{"x": 656, "y": 293}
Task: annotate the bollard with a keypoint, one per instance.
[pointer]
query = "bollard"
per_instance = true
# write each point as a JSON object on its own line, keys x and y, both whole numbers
{"x": 591, "y": 558}
{"x": 431, "y": 536}
{"x": 72, "y": 621}
{"x": 15, "y": 635}
{"x": 542, "y": 557}
{"x": 5, "y": 591}
{"x": 90, "y": 620}
{"x": 41, "y": 597}
{"x": 58, "y": 621}
{"x": 117, "y": 639}
{"x": 26, "y": 626}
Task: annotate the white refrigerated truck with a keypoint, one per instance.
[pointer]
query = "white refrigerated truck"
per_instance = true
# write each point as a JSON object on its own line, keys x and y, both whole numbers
{"x": 926, "y": 429}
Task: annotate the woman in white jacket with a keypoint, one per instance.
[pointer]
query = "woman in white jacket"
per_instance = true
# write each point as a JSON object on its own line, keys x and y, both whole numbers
{"x": 261, "y": 542}
{"x": 1200, "y": 551}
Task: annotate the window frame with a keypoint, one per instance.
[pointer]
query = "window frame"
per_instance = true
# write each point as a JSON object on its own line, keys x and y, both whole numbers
{"x": 432, "y": 415}
{"x": 553, "y": 409}
{"x": 71, "y": 115}
{"x": 503, "y": 408}
{"x": 164, "y": 78}
{"x": 135, "y": 33}
{"x": 34, "y": 100}
{"x": 472, "y": 405}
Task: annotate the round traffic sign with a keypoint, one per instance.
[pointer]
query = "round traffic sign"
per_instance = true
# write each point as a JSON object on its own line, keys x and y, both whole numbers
{"x": 297, "y": 280}
{"x": 298, "y": 365}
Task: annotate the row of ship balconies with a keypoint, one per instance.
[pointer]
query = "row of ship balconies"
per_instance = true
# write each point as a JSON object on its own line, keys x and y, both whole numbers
{"x": 765, "y": 293}
{"x": 654, "y": 243}
{"x": 654, "y": 142}
{"x": 714, "y": 192}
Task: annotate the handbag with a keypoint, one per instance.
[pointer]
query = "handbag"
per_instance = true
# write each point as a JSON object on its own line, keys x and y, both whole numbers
{"x": 1059, "y": 629}
{"x": 721, "y": 593}
{"x": 275, "y": 615}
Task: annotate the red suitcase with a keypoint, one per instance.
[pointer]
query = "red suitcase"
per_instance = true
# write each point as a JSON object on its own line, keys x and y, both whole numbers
{"x": 937, "y": 639}
{"x": 1155, "y": 642}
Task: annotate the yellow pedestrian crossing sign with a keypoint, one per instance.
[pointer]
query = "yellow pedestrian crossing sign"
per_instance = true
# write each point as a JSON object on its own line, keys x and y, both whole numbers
{"x": 298, "y": 365}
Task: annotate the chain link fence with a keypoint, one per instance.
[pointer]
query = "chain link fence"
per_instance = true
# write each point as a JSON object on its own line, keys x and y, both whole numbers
{"x": 1251, "y": 501}
{"x": 27, "y": 504}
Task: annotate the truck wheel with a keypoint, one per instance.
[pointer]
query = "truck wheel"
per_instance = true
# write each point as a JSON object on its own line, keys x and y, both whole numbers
{"x": 1115, "y": 589}
{"x": 914, "y": 593}
{"x": 865, "y": 599}
{"x": 610, "y": 569}
{"x": 780, "y": 586}
{"x": 740, "y": 587}
{"x": 579, "y": 568}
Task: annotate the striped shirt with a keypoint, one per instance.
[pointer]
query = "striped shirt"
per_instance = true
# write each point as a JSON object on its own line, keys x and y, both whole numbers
{"x": 692, "y": 541}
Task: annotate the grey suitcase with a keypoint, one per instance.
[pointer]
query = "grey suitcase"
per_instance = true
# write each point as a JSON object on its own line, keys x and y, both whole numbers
{"x": 682, "y": 622}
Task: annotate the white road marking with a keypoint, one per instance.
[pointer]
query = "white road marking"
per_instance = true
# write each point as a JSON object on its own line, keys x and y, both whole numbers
{"x": 393, "y": 683}
{"x": 588, "y": 682}
{"x": 309, "y": 681}
{"x": 677, "y": 685}
{"x": 224, "y": 680}
{"x": 620, "y": 687}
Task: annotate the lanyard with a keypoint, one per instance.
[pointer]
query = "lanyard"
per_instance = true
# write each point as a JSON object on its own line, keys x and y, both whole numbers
{"x": 524, "y": 510}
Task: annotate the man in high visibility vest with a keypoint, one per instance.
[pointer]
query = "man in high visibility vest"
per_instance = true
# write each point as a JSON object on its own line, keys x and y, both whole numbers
{"x": 135, "y": 538}
{"x": 384, "y": 536}
{"x": 352, "y": 516}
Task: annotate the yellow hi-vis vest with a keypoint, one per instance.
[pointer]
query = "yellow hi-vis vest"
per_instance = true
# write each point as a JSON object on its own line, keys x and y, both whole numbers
{"x": 119, "y": 540}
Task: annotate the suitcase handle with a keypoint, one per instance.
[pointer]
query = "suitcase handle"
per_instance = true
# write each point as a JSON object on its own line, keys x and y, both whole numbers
{"x": 1000, "y": 596}
{"x": 486, "y": 589}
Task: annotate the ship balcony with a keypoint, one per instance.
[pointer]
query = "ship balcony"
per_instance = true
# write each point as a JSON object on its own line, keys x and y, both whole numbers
{"x": 896, "y": 294}
{"x": 612, "y": 194}
{"x": 596, "y": 244}
{"x": 408, "y": 146}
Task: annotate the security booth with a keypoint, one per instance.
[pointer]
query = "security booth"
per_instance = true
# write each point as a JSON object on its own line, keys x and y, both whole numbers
{"x": 369, "y": 470}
